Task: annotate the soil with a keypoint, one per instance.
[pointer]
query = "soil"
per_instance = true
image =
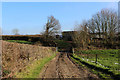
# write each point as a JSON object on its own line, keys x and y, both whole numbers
{"x": 61, "y": 67}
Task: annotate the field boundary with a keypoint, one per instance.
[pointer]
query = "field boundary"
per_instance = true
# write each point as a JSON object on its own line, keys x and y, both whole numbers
{"x": 91, "y": 66}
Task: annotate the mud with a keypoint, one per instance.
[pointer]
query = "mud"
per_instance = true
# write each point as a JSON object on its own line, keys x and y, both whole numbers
{"x": 61, "y": 67}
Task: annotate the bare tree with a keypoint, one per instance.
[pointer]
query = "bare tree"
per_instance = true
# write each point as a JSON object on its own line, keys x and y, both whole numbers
{"x": 80, "y": 38}
{"x": 52, "y": 27}
{"x": 76, "y": 37}
{"x": 91, "y": 26}
{"x": 15, "y": 31}
{"x": 105, "y": 23}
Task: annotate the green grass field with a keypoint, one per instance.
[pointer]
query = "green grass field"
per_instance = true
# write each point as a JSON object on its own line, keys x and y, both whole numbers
{"x": 107, "y": 59}
{"x": 20, "y": 41}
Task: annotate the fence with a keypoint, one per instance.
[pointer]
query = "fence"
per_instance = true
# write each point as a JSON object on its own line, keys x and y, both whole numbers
{"x": 102, "y": 58}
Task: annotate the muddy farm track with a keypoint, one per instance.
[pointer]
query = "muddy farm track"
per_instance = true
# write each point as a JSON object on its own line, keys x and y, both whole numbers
{"x": 61, "y": 67}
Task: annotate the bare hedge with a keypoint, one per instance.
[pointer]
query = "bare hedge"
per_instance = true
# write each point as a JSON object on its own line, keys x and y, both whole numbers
{"x": 16, "y": 56}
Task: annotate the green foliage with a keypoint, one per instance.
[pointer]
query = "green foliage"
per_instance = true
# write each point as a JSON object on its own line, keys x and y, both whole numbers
{"x": 62, "y": 44}
{"x": 93, "y": 70}
{"x": 110, "y": 51}
{"x": 100, "y": 74}
{"x": 20, "y": 41}
{"x": 105, "y": 58}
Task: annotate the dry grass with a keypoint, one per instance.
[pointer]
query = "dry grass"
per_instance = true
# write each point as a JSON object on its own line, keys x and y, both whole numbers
{"x": 15, "y": 56}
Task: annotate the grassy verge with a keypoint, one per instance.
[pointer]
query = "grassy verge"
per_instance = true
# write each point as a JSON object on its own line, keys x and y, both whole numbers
{"x": 33, "y": 70}
{"x": 98, "y": 70}
{"x": 105, "y": 59}
{"x": 20, "y": 41}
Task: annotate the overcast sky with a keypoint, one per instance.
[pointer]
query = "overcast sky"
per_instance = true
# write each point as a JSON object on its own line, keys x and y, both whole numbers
{"x": 30, "y": 17}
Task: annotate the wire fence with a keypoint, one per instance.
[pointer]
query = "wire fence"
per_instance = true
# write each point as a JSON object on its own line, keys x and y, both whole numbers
{"x": 104, "y": 60}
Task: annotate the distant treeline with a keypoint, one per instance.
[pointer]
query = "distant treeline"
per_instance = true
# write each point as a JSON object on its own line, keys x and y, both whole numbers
{"x": 39, "y": 39}
{"x": 31, "y": 38}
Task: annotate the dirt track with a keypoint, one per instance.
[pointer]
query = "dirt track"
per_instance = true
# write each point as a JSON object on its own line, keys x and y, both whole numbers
{"x": 62, "y": 67}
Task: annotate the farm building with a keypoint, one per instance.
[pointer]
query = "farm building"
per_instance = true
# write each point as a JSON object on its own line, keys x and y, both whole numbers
{"x": 67, "y": 35}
